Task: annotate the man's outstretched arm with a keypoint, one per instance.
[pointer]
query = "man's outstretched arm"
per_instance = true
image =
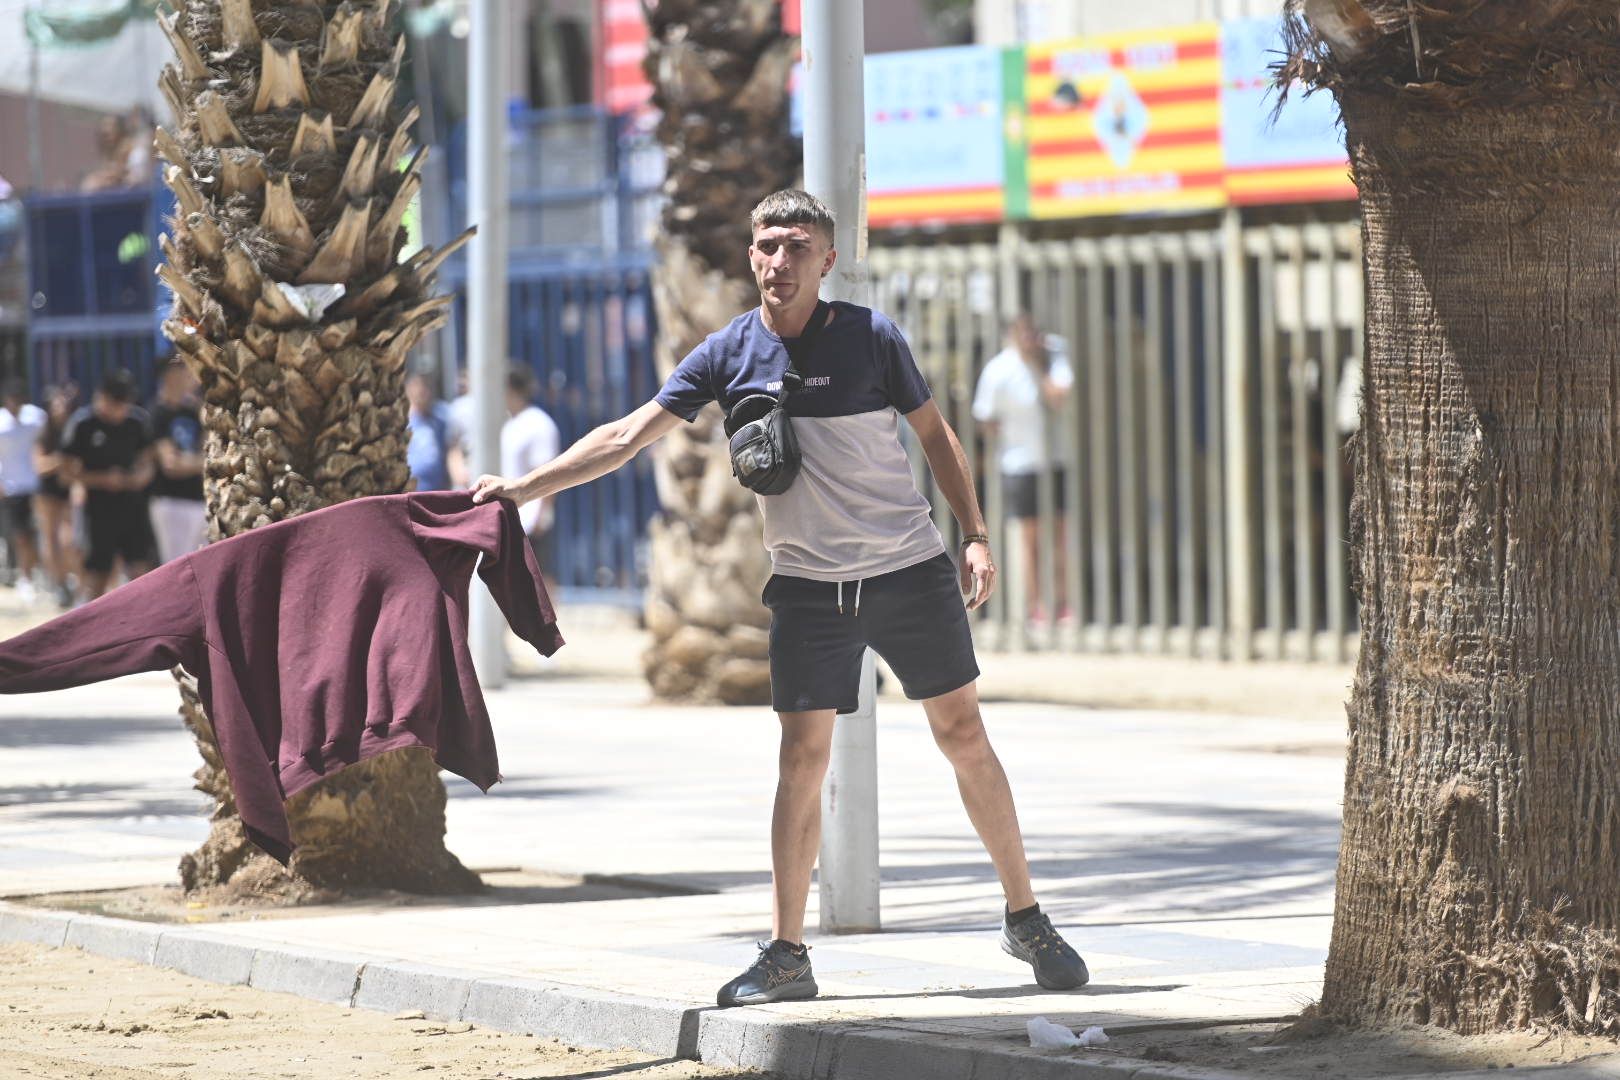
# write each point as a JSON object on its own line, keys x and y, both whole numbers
{"x": 596, "y": 454}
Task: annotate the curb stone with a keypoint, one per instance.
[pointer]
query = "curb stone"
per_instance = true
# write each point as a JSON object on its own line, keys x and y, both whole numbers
{"x": 205, "y": 956}
{"x": 33, "y": 927}
{"x": 397, "y": 986}
{"x": 579, "y": 1015}
{"x": 122, "y": 938}
{"x": 333, "y": 978}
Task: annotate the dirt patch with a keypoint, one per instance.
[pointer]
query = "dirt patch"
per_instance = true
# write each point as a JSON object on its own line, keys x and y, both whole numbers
{"x": 171, "y": 904}
{"x": 69, "y": 1015}
{"x": 1275, "y": 1050}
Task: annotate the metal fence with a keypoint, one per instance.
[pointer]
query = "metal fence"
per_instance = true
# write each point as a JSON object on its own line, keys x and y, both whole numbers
{"x": 92, "y": 297}
{"x": 587, "y": 333}
{"x": 1203, "y": 484}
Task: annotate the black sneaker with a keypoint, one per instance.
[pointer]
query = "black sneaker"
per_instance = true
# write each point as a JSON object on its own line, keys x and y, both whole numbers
{"x": 780, "y": 974}
{"x": 1034, "y": 941}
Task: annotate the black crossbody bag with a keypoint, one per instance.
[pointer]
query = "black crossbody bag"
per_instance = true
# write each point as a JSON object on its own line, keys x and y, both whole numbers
{"x": 765, "y": 455}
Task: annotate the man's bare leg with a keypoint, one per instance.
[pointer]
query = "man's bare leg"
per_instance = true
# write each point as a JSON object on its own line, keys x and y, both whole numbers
{"x": 959, "y": 732}
{"x": 782, "y": 971}
{"x": 796, "y": 817}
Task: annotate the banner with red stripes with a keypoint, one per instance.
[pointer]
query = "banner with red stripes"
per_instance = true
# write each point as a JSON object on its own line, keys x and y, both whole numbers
{"x": 1119, "y": 124}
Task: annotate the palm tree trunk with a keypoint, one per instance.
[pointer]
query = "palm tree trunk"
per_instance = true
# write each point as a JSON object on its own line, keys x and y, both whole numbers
{"x": 1481, "y": 840}
{"x": 720, "y": 70}
{"x": 294, "y": 311}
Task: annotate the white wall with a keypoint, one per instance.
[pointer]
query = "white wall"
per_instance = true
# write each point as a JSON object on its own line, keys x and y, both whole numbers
{"x": 1007, "y": 22}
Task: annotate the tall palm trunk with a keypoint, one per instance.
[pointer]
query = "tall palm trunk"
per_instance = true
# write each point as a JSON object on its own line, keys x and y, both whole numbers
{"x": 293, "y": 310}
{"x": 1477, "y": 875}
{"x": 720, "y": 69}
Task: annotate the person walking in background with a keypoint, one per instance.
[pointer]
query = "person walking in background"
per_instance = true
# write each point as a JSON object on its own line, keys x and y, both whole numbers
{"x": 435, "y": 443}
{"x": 21, "y": 423}
{"x": 179, "y": 520}
{"x": 463, "y": 417}
{"x": 108, "y": 449}
{"x": 59, "y": 549}
{"x": 529, "y": 439}
{"x": 1019, "y": 403}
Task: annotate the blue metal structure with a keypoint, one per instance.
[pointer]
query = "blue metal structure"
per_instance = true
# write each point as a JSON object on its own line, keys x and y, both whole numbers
{"x": 588, "y": 335}
{"x": 95, "y": 300}
{"x": 584, "y": 194}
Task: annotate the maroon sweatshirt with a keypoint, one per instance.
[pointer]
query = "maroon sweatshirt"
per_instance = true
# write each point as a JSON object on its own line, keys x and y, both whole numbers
{"x": 316, "y": 642}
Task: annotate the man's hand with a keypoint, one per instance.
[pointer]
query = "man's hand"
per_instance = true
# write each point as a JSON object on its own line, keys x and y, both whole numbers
{"x": 488, "y": 487}
{"x": 978, "y": 574}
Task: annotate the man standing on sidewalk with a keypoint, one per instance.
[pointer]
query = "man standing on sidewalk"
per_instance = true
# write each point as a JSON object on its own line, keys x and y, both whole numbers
{"x": 108, "y": 448}
{"x": 529, "y": 439}
{"x": 856, "y": 562}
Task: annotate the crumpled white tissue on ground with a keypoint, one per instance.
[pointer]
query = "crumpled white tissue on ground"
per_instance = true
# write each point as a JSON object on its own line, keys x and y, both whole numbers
{"x": 1045, "y": 1035}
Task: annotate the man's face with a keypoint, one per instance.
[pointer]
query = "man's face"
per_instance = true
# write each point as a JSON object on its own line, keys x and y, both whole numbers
{"x": 1027, "y": 337}
{"x": 179, "y": 383}
{"x": 789, "y": 262}
{"x": 111, "y": 409}
{"x": 419, "y": 393}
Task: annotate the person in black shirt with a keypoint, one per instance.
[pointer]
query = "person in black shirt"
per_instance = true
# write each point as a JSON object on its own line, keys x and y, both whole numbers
{"x": 108, "y": 448}
{"x": 178, "y": 519}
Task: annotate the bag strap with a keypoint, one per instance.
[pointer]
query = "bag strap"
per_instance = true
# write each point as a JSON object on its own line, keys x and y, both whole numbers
{"x": 800, "y": 346}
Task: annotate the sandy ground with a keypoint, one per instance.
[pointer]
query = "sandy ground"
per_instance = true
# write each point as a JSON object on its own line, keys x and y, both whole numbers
{"x": 1281, "y": 1050}
{"x": 68, "y": 1015}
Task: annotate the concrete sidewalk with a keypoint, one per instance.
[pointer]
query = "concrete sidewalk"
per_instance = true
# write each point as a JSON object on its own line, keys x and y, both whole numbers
{"x": 1188, "y": 856}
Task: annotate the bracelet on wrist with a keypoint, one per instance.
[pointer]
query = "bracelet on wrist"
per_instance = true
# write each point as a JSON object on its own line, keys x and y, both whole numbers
{"x": 974, "y": 538}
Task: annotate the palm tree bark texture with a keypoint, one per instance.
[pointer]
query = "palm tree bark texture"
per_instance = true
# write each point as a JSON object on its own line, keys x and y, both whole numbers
{"x": 292, "y": 164}
{"x": 720, "y": 74}
{"x": 1478, "y": 870}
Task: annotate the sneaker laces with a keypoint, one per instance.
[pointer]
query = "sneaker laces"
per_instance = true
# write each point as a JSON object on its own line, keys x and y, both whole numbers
{"x": 1041, "y": 934}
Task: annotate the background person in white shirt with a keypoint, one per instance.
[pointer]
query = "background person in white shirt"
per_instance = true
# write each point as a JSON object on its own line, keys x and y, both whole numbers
{"x": 20, "y": 425}
{"x": 529, "y": 439}
{"x": 1019, "y": 403}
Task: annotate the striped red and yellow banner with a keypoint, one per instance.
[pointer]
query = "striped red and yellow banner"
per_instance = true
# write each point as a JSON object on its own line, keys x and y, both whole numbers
{"x": 1124, "y": 123}
{"x": 935, "y": 206}
{"x": 1326, "y": 181}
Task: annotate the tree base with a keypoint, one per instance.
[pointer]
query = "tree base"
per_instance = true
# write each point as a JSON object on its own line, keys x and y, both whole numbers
{"x": 378, "y": 824}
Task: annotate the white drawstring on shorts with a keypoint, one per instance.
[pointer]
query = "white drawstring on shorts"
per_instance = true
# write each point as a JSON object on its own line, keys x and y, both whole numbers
{"x": 857, "y": 597}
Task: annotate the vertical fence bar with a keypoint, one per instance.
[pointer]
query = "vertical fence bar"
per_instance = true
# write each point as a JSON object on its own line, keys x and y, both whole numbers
{"x": 1155, "y": 437}
{"x": 1076, "y": 593}
{"x": 1237, "y": 424}
{"x": 1300, "y": 443}
{"x": 1127, "y": 473}
{"x": 1333, "y": 546}
{"x": 1270, "y": 448}
{"x": 1100, "y": 367}
{"x": 1215, "y": 292}
{"x": 1182, "y": 427}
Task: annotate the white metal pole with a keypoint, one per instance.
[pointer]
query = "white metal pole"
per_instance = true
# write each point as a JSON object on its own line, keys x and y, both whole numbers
{"x": 834, "y": 47}
{"x": 486, "y": 291}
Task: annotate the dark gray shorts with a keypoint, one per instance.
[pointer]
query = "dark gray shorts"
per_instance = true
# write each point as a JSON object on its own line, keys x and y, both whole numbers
{"x": 914, "y": 618}
{"x": 1022, "y": 493}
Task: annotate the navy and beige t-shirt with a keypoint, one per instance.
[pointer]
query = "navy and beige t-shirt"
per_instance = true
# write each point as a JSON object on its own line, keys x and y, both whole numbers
{"x": 854, "y": 512}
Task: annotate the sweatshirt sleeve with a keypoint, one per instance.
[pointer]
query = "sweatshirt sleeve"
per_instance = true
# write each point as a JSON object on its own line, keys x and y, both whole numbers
{"x": 507, "y": 566}
{"x": 150, "y": 624}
